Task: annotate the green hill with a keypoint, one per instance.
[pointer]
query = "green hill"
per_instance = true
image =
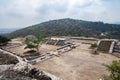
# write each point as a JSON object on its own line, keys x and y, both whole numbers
{"x": 70, "y": 27}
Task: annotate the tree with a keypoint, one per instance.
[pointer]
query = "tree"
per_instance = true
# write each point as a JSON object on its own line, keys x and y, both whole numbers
{"x": 114, "y": 69}
{"x": 3, "y": 40}
{"x": 33, "y": 43}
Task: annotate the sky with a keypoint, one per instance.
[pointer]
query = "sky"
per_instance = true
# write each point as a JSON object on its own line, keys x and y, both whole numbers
{"x": 23, "y": 13}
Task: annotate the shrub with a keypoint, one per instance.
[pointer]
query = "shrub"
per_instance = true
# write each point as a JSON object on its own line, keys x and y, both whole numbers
{"x": 114, "y": 68}
{"x": 94, "y": 45}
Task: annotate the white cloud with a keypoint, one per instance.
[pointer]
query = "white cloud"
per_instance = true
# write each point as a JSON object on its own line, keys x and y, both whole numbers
{"x": 15, "y": 13}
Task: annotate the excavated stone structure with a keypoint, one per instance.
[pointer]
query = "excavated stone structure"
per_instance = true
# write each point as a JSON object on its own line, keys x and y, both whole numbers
{"x": 22, "y": 67}
{"x": 106, "y": 45}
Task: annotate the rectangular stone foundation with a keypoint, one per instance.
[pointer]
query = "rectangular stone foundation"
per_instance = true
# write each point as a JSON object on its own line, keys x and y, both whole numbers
{"x": 106, "y": 46}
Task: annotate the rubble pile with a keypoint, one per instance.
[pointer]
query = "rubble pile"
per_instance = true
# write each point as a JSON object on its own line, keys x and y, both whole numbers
{"x": 7, "y": 59}
{"x": 58, "y": 41}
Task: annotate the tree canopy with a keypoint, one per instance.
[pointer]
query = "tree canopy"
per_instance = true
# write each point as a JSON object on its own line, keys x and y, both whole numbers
{"x": 33, "y": 43}
{"x": 3, "y": 40}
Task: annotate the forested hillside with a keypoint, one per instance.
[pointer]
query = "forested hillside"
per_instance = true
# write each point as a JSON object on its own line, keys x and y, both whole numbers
{"x": 70, "y": 27}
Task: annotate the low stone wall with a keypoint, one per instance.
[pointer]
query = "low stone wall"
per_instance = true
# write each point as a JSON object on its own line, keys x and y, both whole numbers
{"x": 23, "y": 68}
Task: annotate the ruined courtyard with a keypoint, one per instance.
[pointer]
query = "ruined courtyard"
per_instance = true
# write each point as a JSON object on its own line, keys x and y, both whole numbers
{"x": 74, "y": 64}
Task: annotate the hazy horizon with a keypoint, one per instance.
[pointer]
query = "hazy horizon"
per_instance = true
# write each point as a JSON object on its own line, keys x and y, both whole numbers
{"x": 24, "y": 13}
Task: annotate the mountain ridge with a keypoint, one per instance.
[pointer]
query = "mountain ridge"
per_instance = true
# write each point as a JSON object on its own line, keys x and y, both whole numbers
{"x": 69, "y": 27}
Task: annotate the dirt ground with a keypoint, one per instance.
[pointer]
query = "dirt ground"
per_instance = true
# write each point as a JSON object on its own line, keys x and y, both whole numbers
{"x": 78, "y": 64}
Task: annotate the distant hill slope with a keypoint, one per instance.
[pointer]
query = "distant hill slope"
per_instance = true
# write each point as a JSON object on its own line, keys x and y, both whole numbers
{"x": 70, "y": 27}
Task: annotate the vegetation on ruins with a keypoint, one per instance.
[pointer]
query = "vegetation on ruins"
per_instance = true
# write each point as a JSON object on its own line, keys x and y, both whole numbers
{"x": 93, "y": 45}
{"x": 33, "y": 43}
{"x": 3, "y": 40}
{"x": 114, "y": 69}
{"x": 70, "y": 27}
